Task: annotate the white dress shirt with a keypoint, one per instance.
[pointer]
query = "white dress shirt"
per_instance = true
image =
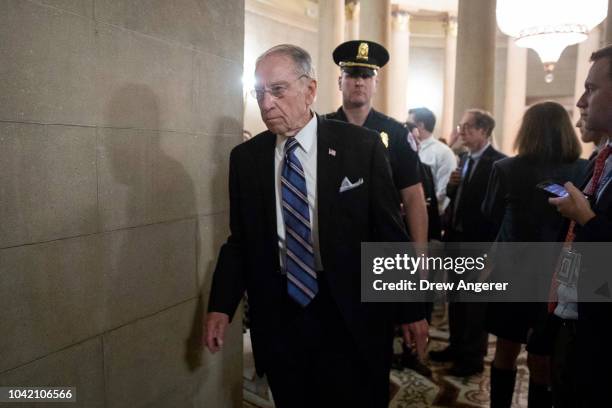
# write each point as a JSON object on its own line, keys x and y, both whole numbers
{"x": 306, "y": 153}
{"x": 442, "y": 161}
{"x": 476, "y": 157}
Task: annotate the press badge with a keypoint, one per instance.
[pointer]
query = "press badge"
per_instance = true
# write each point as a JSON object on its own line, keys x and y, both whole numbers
{"x": 569, "y": 267}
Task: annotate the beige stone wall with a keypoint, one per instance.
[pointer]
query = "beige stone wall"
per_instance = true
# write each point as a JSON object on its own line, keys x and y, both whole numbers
{"x": 426, "y": 83}
{"x": 116, "y": 122}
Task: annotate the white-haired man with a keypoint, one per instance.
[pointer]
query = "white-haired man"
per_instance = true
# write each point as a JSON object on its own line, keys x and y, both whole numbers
{"x": 303, "y": 196}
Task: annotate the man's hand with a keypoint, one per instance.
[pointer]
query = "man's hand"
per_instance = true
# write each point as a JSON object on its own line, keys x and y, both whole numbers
{"x": 216, "y": 323}
{"x": 455, "y": 178}
{"x": 416, "y": 335}
{"x": 575, "y": 206}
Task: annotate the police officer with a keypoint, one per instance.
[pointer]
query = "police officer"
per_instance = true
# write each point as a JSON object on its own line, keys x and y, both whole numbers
{"x": 359, "y": 63}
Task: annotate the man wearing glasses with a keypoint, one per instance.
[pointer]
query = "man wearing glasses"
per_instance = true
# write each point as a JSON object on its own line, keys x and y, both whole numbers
{"x": 303, "y": 196}
{"x": 467, "y": 188}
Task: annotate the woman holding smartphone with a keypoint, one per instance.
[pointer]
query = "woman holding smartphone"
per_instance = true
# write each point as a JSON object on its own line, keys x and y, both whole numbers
{"x": 548, "y": 149}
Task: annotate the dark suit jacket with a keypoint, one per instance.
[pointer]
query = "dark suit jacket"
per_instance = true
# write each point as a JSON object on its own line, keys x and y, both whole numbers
{"x": 522, "y": 212}
{"x": 518, "y": 208}
{"x": 594, "y": 319}
{"x": 250, "y": 258}
{"x": 475, "y": 227}
{"x": 404, "y": 160}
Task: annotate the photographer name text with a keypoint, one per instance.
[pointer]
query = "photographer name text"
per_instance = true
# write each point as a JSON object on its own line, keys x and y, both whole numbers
{"x": 425, "y": 285}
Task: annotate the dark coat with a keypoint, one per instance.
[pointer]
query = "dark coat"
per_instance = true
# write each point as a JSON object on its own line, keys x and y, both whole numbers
{"x": 404, "y": 160}
{"x": 521, "y": 210}
{"x": 522, "y": 213}
{"x": 475, "y": 227}
{"x": 594, "y": 319}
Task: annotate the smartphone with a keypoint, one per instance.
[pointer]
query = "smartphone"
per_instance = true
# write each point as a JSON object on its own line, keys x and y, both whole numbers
{"x": 554, "y": 189}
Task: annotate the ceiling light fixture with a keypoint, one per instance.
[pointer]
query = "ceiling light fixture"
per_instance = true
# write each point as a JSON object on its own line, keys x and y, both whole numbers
{"x": 549, "y": 26}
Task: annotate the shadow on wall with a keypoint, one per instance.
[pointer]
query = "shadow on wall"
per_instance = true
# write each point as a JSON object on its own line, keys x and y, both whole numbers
{"x": 151, "y": 187}
{"x": 207, "y": 259}
{"x": 147, "y": 167}
{"x": 157, "y": 186}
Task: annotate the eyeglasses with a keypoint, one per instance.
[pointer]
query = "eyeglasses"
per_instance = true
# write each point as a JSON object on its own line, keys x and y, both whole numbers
{"x": 276, "y": 90}
{"x": 465, "y": 127}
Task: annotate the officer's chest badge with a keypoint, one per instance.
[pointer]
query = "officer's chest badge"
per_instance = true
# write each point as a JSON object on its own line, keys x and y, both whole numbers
{"x": 385, "y": 138}
{"x": 363, "y": 51}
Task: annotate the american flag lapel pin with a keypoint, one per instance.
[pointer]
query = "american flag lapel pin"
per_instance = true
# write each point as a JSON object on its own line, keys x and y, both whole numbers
{"x": 332, "y": 152}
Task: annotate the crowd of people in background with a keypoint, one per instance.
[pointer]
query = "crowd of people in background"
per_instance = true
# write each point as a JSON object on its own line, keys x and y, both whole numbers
{"x": 496, "y": 198}
{"x": 478, "y": 195}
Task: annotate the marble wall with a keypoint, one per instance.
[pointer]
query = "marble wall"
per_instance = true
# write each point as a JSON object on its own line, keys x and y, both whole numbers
{"x": 116, "y": 122}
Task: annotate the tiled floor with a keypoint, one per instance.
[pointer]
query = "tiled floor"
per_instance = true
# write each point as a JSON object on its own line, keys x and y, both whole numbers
{"x": 410, "y": 389}
{"x": 414, "y": 390}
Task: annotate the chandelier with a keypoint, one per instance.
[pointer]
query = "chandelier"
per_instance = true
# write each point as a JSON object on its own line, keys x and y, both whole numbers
{"x": 548, "y": 26}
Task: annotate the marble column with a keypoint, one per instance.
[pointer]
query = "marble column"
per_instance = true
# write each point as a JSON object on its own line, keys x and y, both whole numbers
{"x": 351, "y": 12}
{"x": 475, "y": 69}
{"x": 583, "y": 64}
{"x": 607, "y": 38}
{"x": 398, "y": 65}
{"x": 331, "y": 34}
{"x": 374, "y": 25}
{"x": 515, "y": 94}
{"x": 450, "y": 59}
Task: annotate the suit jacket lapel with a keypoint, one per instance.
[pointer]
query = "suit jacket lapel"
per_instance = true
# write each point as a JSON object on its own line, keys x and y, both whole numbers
{"x": 587, "y": 174}
{"x": 265, "y": 168}
{"x": 328, "y": 182}
{"x": 482, "y": 169}
{"x": 605, "y": 199}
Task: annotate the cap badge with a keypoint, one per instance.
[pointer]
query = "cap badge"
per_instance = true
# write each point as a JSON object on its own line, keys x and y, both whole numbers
{"x": 362, "y": 52}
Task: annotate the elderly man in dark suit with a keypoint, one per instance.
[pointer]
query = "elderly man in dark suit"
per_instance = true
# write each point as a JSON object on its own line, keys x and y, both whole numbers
{"x": 467, "y": 188}
{"x": 588, "y": 362}
{"x": 303, "y": 196}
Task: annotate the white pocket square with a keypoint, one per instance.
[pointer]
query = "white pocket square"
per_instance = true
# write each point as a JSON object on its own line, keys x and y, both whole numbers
{"x": 347, "y": 185}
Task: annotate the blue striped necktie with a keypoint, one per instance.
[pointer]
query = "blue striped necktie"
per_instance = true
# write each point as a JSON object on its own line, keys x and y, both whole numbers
{"x": 302, "y": 283}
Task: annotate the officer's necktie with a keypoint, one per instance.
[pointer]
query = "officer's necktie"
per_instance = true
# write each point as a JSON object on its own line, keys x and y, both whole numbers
{"x": 590, "y": 190}
{"x": 302, "y": 283}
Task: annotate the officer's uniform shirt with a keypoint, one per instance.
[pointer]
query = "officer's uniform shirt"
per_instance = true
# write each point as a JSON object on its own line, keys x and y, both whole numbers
{"x": 403, "y": 159}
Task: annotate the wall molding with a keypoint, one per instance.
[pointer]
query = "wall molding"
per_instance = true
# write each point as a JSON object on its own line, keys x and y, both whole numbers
{"x": 275, "y": 13}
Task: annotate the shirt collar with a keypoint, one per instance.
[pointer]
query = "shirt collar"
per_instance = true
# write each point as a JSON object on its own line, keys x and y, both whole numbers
{"x": 429, "y": 141}
{"x": 305, "y": 136}
{"x": 476, "y": 155}
{"x": 370, "y": 118}
{"x": 342, "y": 116}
